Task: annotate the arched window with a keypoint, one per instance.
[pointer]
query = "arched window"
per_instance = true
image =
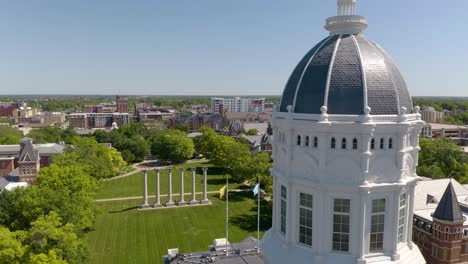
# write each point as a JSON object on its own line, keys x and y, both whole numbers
{"x": 372, "y": 144}
{"x": 333, "y": 143}
{"x": 354, "y": 143}
{"x": 343, "y": 143}
{"x": 307, "y": 141}
{"x": 390, "y": 143}
{"x": 447, "y": 231}
{"x": 315, "y": 142}
{"x": 381, "y": 143}
{"x": 298, "y": 140}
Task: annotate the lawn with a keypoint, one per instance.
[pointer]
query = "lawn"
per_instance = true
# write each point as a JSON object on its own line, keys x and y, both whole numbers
{"x": 133, "y": 185}
{"x": 123, "y": 234}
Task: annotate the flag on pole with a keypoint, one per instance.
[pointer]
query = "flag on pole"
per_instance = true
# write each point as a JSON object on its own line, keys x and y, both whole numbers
{"x": 222, "y": 191}
{"x": 256, "y": 189}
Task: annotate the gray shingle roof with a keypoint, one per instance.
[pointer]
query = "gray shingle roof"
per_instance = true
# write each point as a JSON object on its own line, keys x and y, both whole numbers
{"x": 448, "y": 208}
{"x": 343, "y": 72}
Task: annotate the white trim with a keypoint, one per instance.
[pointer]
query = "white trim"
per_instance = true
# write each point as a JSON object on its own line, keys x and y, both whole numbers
{"x": 363, "y": 73}
{"x": 330, "y": 70}
{"x": 305, "y": 69}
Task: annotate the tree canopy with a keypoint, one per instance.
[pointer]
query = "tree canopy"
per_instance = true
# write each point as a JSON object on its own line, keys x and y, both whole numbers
{"x": 440, "y": 158}
{"x": 173, "y": 145}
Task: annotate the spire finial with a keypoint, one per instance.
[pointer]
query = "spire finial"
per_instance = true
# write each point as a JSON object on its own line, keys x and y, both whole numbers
{"x": 346, "y": 22}
{"x": 346, "y": 7}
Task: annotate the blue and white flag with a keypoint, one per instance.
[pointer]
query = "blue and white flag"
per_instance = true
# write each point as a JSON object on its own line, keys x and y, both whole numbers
{"x": 256, "y": 189}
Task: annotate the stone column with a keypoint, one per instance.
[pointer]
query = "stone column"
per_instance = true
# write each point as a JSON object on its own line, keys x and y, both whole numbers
{"x": 169, "y": 190}
{"x": 158, "y": 191}
{"x": 205, "y": 193}
{"x": 181, "y": 198}
{"x": 145, "y": 189}
{"x": 193, "y": 201}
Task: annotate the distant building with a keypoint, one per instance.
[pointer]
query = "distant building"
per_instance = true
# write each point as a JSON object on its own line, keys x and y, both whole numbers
{"x": 7, "y": 109}
{"x": 21, "y": 163}
{"x": 248, "y": 116}
{"x": 122, "y": 104}
{"x": 194, "y": 121}
{"x": 93, "y": 109}
{"x": 97, "y": 120}
{"x": 237, "y": 104}
{"x": 430, "y": 115}
{"x": 440, "y": 225}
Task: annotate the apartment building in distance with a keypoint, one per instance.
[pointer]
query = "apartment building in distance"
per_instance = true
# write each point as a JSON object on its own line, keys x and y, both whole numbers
{"x": 98, "y": 120}
{"x": 237, "y": 104}
{"x": 430, "y": 115}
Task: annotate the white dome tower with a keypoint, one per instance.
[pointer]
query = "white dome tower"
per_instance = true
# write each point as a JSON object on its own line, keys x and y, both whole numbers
{"x": 345, "y": 152}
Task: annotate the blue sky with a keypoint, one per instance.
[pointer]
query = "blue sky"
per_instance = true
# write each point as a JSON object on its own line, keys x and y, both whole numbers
{"x": 213, "y": 47}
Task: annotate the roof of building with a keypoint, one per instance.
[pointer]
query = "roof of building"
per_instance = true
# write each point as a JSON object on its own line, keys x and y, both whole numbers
{"x": 244, "y": 252}
{"x": 28, "y": 152}
{"x": 428, "y": 196}
{"x": 445, "y": 126}
{"x": 260, "y": 127}
{"x": 448, "y": 208}
{"x": 343, "y": 73}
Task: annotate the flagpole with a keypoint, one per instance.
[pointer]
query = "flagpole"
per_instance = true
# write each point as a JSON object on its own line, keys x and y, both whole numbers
{"x": 258, "y": 216}
{"x": 227, "y": 214}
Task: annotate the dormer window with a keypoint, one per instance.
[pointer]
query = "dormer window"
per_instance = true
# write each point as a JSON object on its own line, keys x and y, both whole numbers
{"x": 390, "y": 143}
{"x": 315, "y": 142}
{"x": 343, "y": 143}
{"x": 299, "y": 140}
{"x": 333, "y": 143}
{"x": 381, "y": 143}
{"x": 372, "y": 144}
{"x": 354, "y": 143}
{"x": 307, "y": 141}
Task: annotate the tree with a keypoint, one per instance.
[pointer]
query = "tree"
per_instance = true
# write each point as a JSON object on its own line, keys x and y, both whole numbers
{"x": 50, "y": 240}
{"x": 97, "y": 160}
{"x": 10, "y": 139}
{"x": 183, "y": 128}
{"x": 173, "y": 145}
{"x": 51, "y": 134}
{"x": 11, "y": 249}
{"x": 70, "y": 192}
{"x": 442, "y": 156}
{"x": 252, "y": 132}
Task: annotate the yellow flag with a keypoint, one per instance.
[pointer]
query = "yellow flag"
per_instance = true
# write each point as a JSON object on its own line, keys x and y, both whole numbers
{"x": 222, "y": 191}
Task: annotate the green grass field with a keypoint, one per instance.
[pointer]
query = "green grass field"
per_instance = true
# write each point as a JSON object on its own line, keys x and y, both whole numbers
{"x": 123, "y": 234}
{"x": 133, "y": 185}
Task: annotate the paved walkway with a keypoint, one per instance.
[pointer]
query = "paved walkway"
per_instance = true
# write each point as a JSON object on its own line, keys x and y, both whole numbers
{"x": 140, "y": 167}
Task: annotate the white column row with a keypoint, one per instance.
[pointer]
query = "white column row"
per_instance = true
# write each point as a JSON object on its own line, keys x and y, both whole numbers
{"x": 170, "y": 200}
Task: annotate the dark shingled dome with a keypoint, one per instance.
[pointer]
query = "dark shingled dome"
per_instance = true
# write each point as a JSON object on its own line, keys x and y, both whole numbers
{"x": 342, "y": 72}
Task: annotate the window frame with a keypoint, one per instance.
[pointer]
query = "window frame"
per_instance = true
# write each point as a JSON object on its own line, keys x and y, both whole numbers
{"x": 378, "y": 245}
{"x": 304, "y": 238}
{"x": 402, "y": 217}
{"x": 333, "y": 143}
{"x": 342, "y": 213}
{"x": 283, "y": 209}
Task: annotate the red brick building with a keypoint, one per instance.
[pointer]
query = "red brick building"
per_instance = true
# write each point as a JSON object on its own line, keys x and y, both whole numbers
{"x": 442, "y": 239}
{"x": 21, "y": 163}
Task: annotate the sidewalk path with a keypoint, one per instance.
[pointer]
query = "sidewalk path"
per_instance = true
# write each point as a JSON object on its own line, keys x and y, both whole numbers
{"x": 140, "y": 167}
{"x": 162, "y": 195}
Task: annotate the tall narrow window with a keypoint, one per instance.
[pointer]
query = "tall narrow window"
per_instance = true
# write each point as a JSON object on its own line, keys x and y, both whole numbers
{"x": 354, "y": 143}
{"x": 381, "y": 143}
{"x": 298, "y": 140}
{"x": 307, "y": 141}
{"x": 315, "y": 142}
{"x": 447, "y": 232}
{"x": 402, "y": 218}
{"x": 341, "y": 209}
{"x": 305, "y": 219}
{"x": 333, "y": 143}
{"x": 377, "y": 225}
{"x": 372, "y": 143}
{"x": 283, "y": 209}
{"x": 343, "y": 143}
{"x": 390, "y": 143}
